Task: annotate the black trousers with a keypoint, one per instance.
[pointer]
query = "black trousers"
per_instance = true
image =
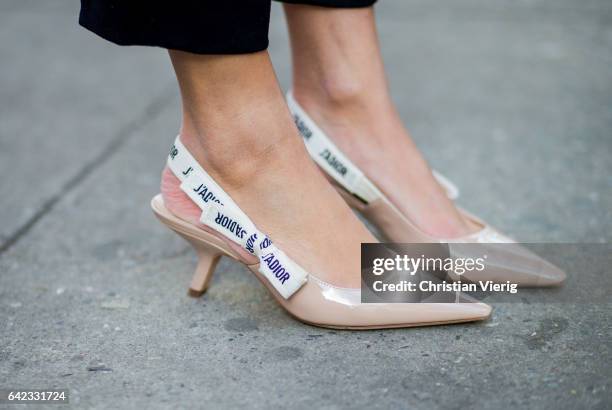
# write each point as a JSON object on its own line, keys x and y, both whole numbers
{"x": 196, "y": 26}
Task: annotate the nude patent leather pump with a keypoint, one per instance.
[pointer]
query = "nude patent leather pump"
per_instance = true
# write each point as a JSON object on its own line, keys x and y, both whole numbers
{"x": 229, "y": 232}
{"x": 510, "y": 261}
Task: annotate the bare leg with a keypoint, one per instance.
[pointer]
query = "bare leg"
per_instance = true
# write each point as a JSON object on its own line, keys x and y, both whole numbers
{"x": 339, "y": 78}
{"x": 237, "y": 125}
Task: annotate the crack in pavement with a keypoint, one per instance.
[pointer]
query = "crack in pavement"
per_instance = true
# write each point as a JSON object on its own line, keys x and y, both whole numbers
{"x": 124, "y": 133}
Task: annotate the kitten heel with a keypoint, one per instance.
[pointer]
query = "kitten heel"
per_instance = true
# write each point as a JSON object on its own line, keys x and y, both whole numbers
{"x": 208, "y": 257}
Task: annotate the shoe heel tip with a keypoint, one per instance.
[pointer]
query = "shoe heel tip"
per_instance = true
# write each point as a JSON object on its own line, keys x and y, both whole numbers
{"x": 195, "y": 293}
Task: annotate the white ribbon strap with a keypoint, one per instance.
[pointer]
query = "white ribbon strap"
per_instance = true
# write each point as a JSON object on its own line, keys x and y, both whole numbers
{"x": 195, "y": 182}
{"x": 285, "y": 275}
{"x": 330, "y": 158}
{"x": 223, "y": 215}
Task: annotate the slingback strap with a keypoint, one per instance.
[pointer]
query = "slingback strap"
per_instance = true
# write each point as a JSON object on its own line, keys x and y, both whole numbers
{"x": 327, "y": 155}
{"x": 223, "y": 215}
{"x": 195, "y": 182}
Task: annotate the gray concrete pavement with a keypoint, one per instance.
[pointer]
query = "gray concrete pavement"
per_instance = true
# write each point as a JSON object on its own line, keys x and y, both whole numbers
{"x": 511, "y": 99}
{"x": 66, "y": 99}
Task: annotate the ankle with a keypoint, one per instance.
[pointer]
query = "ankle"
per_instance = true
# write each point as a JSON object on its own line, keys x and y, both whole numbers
{"x": 252, "y": 141}
{"x": 235, "y": 120}
{"x": 337, "y": 91}
{"x": 331, "y": 93}
{"x": 350, "y": 101}
{"x": 234, "y": 173}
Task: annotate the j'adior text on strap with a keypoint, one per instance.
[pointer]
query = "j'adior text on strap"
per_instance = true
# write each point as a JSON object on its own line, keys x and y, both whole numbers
{"x": 223, "y": 215}
{"x": 285, "y": 275}
{"x": 195, "y": 182}
{"x": 330, "y": 158}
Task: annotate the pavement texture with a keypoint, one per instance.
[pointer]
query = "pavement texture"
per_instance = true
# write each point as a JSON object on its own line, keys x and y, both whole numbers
{"x": 512, "y": 100}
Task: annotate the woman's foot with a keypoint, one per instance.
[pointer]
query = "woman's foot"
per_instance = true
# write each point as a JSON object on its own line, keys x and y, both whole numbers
{"x": 248, "y": 143}
{"x": 340, "y": 81}
{"x": 373, "y": 137}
